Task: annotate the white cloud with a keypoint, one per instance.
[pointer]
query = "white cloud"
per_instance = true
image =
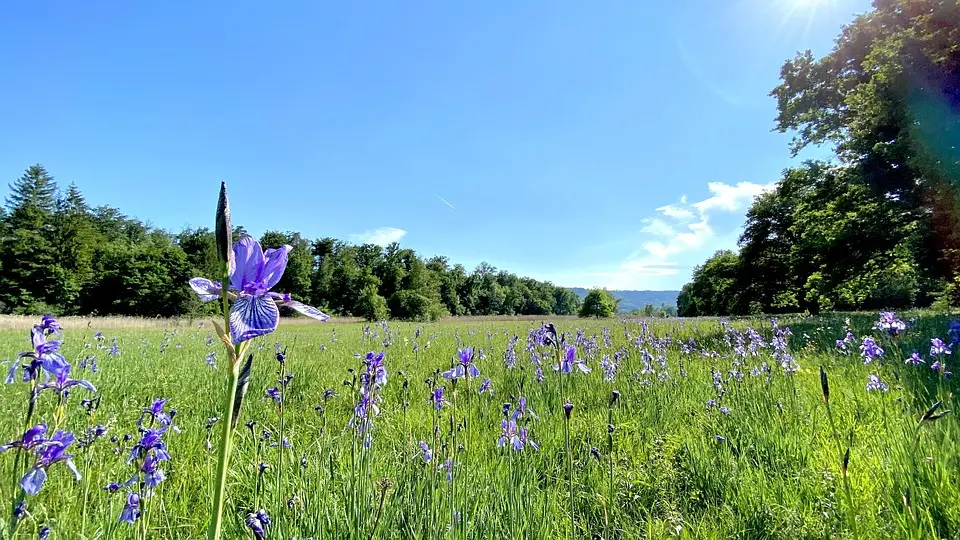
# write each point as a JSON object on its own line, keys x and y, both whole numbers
{"x": 731, "y": 198}
{"x": 381, "y": 236}
{"x": 676, "y": 212}
{"x": 676, "y": 238}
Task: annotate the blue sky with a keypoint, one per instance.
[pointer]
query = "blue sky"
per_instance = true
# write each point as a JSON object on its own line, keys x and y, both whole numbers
{"x": 589, "y": 143}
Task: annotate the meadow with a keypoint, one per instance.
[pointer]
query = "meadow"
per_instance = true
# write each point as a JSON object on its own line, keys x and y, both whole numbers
{"x": 687, "y": 428}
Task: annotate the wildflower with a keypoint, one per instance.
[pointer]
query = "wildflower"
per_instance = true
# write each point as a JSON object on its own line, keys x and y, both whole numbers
{"x": 211, "y": 359}
{"x": 44, "y": 356}
{"x": 486, "y": 388}
{"x": 609, "y": 368}
{"x": 62, "y": 383}
{"x": 375, "y": 371}
{"x": 437, "y": 398}
{"x": 570, "y": 361}
{"x": 526, "y": 440}
{"x": 522, "y": 409}
{"x": 257, "y": 522}
{"x": 953, "y": 332}
{"x": 253, "y": 273}
{"x": 274, "y": 394}
{"x": 464, "y": 366}
{"x": 447, "y": 466}
{"x": 157, "y": 413}
{"x": 567, "y": 409}
{"x": 874, "y": 383}
{"x": 938, "y": 347}
{"x": 509, "y": 356}
{"x": 426, "y": 452}
{"x": 914, "y": 359}
{"x": 20, "y": 510}
{"x": 890, "y": 324}
{"x": 114, "y": 349}
{"x": 870, "y": 351}
{"x": 30, "y": 439}
{"x": 131, "y": 509}
{"x": 48, "y": 452}
{"x": 44, "y": 533}
{"x": 509, "y": 435}
{"x": 725, "y": 410}
{"x": 940, "y": 366}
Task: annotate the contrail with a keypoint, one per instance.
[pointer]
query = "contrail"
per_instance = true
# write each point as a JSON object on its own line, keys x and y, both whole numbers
{"x": 446, "y": 202}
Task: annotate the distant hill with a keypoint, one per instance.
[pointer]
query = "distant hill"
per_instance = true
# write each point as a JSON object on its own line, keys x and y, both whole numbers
{"x": 631, "y": 300}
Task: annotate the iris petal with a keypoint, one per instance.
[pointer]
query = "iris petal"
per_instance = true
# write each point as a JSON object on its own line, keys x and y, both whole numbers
{"x": 248, "y": 258}
{"x": 33, "y": 481}
{"x": 205, "y": 289}
{"x": 252, "y": 316}
{"x": 309, "y": 311}
{"x": 274, "y": 265}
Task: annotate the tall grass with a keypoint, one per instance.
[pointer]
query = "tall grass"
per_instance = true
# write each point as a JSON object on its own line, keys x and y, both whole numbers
{"x": 658, "y": 462}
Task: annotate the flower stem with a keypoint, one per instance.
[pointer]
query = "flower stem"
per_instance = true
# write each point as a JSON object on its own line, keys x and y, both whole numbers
{"x": 226, "y": 444}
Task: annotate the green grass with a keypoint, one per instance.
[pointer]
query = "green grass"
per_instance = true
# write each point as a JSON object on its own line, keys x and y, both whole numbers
{"x": 775, "y": 473}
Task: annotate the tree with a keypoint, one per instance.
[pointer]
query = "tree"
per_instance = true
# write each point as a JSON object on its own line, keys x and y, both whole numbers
{"x": 598, "y": 303}
{"x": 714, "y": 289}
{"x": 31, "y": 273}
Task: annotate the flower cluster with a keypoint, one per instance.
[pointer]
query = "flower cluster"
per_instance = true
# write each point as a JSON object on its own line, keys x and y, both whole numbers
{"x": 372, "y": 380}
{"x": 46, "y": 452}
{"x": 890, "y": 324}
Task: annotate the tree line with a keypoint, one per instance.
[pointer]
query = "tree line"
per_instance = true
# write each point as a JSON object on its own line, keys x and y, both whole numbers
{"x": 60, "y": 255}
{"x": 877, "y": 225}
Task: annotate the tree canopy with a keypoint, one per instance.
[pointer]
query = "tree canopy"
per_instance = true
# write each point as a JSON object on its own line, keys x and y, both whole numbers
{"x": 877, "y": 226}
{"x": 599, "y": 303}
{"x": 57, "y": 254}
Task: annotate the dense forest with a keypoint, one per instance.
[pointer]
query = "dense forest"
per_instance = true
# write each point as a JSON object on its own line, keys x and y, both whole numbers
{"x": 877, "y": 225}
{"x": 59, "y": 255}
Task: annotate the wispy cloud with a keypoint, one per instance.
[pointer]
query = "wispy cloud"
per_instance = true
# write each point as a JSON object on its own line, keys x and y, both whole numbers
{"x": 381, "y": 236}
{"x": 677, "y": 237}
{"x": 446, "y": 202}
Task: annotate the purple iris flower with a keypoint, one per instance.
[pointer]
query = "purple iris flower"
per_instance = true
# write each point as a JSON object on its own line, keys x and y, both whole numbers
{"x": 156, "y": 412}
{"x": 257, "y": 522}
{"x": 890, "y": 323}
{"x": 131, "y": 509}
{"x": 48, "y": 452}
{"x": 151, "y": 440}
{"x": 437, "y": 398}
{"x": 152, "y": 474}
{"x": 522, "y": 409}
{"x": 874, "y": 383}
{"x": 914, "y": 359}
{"x": 447, "y": 466}
{"x": 938, "y": 347}
{"x": 464, "y": 367}
{"x": 426, "y": 452}
{"x": 45, "y": 355}
{"x": 254, "y": 311}
{"x": 274, "y": 394}
{"x": 526, "y": 440}
{"x": 870, "y": 350}
{"x": 30, "y": 439}
{"x": 63, "y": 382}
{"x": 49, "y": 325}
{"x": 486, "y": 387}
{"x": 510, "y": 435}
{"x": 571, "y": 361}
{"x": 376, "y": 371}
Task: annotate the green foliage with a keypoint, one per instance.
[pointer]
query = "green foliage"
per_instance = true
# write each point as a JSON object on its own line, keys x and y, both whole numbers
{"x": 598, "y": 303}
{"x": 881, "y": 227}
{"x": 58, "y": 254}
{"x": 714, "y": 289}
{"x": 768, "y": 468}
